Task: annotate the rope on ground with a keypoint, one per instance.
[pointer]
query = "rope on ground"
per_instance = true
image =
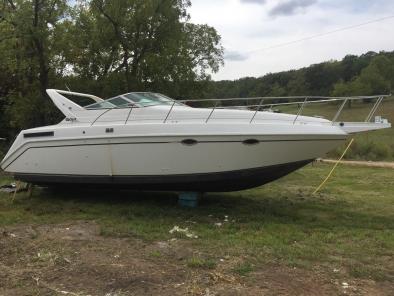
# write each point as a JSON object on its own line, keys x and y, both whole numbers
{"x": 335, "y": 166}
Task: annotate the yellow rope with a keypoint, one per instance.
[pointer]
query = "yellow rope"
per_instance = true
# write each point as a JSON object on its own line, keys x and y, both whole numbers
{"x": 333, "y": 169}
{"x": 16, "y": 191}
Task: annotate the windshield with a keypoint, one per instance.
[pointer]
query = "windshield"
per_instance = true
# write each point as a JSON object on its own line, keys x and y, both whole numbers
{"x": 140, "y": 99}
{"x": 149, "y": 99}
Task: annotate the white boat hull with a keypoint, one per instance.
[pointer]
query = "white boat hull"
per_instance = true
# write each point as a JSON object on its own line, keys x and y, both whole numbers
{"x": 208, "y": 163}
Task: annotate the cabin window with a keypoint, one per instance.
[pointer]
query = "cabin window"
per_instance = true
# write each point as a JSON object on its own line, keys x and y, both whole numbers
{"x": 149, "y": 99}
{"x": 138, "y": 99}
{"x": 102, "y": 105}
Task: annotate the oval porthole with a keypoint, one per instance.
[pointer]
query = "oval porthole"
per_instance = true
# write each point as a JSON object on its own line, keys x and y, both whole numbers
{"x": 189, "y": 142}
{"x": 251, "y": 142}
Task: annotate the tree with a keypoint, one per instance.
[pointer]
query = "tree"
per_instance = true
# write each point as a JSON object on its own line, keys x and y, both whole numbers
{"x": 376, "y": 78}
{"x": 29, "y": 30}
{"x": 100, "y": 46}
{"x": 149, "y": 43}
{"x": 298, "y": 86}
{"x": 277, "y": 91}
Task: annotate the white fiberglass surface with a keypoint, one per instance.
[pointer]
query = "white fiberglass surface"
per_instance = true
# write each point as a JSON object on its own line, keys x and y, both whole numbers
{"x": 88, "y": 135}
{"x": 183, "y": 114}
{"x": 165, "y": 158}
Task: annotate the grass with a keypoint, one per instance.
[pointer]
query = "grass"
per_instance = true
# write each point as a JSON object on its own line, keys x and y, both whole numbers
{"x": 349, "y": 226}
{"x": 156, "y": 254}
{"x": 196, "y": 262}
{"x": 243, "y": 269}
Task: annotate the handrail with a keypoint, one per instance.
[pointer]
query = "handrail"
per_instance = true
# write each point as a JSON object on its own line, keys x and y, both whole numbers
{"x": 307, "y": 100}
{"x": 168, "y": 114}
{"x": 210, "y": 114}
{"x": 329, "y": 99}
{"x": 374, "y": 109}
{"x": 340, "y": 110}
{"x": 300, "y": 110}
{"x": 128, "y": 115}
{"x": 286, "y": 97}
{"x": 257, "y": 110}
{"x": 98, "y": 117}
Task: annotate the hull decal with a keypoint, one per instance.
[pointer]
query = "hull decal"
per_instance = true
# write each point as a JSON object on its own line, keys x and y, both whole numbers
{"x": 40, "y": 134}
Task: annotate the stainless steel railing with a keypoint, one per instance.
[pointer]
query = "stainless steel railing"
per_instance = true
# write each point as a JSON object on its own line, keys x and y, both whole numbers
{"x": 300, "y": 101}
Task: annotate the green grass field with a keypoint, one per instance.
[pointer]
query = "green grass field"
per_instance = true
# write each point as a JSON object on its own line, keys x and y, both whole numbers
{"x": 348, "y": 226}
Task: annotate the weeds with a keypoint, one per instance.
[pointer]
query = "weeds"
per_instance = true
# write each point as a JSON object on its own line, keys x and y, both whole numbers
{"x": 243, "y": 269}
{"x": 195, "y": 262}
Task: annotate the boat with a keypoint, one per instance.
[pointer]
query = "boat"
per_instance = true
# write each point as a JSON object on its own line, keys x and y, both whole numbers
{"x": 148, "y": 141}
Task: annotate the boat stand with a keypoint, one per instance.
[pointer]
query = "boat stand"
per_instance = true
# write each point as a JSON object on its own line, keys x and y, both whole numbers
{"x": 189, "y": 199}
{"x": 28, "y": 187}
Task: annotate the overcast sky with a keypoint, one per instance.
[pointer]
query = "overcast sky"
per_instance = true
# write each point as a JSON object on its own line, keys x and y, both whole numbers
{"x": 249, "y": 25}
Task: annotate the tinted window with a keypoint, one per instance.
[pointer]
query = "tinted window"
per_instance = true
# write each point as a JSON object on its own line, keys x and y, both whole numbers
{"x": 118, "y": 101}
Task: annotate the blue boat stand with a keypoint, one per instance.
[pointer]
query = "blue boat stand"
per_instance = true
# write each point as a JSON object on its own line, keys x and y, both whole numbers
{"x": 189, "y": 199}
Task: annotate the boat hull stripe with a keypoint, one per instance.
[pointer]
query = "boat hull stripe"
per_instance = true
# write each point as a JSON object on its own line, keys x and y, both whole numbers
{"x": 40, "y": 134}
{"x": 201, "y": 182}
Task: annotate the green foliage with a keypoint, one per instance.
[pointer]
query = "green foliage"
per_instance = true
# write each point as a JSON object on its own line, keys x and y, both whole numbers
{"x": 99, "y": 46}
{"x": 29, "y": 58}
{"x": 376, "y": 78}
{"x": 2, "y": 151}
{"x": 370, "y": 73}
{"x": 366, "y": 149}
{"x": 142, "y": 45}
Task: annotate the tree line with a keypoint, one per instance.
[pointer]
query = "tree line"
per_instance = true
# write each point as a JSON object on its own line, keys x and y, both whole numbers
{"x": 368, "y": 74}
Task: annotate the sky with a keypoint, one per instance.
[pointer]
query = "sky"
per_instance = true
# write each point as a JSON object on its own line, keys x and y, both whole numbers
{"x": 251, "y": 31}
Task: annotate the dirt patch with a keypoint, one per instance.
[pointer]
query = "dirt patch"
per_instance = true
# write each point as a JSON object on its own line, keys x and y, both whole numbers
{"x": 74, "y": 259}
